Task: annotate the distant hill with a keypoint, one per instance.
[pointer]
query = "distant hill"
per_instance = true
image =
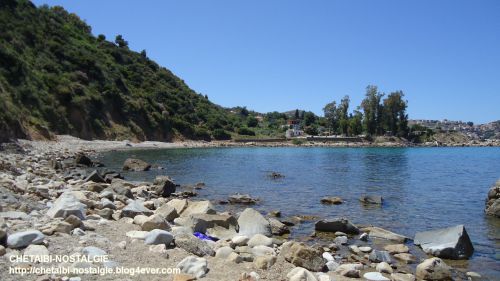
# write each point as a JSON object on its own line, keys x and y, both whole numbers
{"x": 468, "y": 129}
{"x": 56, "y": 77}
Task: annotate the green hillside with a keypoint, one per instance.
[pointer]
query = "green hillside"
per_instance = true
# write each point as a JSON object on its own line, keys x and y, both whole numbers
{"x": 56, "y": 77}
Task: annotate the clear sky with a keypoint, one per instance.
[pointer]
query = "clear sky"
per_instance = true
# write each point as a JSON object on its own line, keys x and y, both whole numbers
{"x": 286, "y": 54}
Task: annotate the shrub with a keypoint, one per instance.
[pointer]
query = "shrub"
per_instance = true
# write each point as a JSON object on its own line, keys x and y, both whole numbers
{"x": 220, "y": 134}
{"x": 245, "y": 131}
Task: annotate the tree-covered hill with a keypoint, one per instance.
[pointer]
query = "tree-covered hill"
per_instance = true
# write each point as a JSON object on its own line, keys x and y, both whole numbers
{"x": 56, "y": 77}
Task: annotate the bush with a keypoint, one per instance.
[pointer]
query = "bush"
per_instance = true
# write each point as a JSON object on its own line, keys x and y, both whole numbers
{"x": 252, "y": 122}
{"x": 220, "y": 134}
{"x": 202, "y": 134}
{"x": 245, "y": 131}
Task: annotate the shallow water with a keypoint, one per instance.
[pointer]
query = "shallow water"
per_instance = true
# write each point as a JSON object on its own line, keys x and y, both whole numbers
{"x": 423, "y": 188}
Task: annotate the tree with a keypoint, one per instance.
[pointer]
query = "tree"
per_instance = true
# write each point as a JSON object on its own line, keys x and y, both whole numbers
{"x": 252, "y": 121}
{"x": 343, "y": 117}
{"x": 355, "y": 123}
{"x": 120, "y": 41}
{"x": 395, "y": 118}
{"x": 331, "y": 115}
{"x": 309, "y": 118}
{"x": 143, "y": 54}
{"x": 297, "y": 114}
{"x": 372, "y": 110}
{"x": 101, "y": 38}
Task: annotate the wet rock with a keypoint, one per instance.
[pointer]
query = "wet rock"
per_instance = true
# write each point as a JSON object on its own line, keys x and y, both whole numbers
{"x": 302, "y": 255}
{"x": 260, "y": 240}
{"x": 449, "y": 243}
{"x": 252, "y": 222}
{"x": 94, "y": 177}
{"x": 300, "y": 274}
{"x": 163, "y": 186}
{"x": 194, "y": 245}
{"x": 380, "y": 233}
{"x": 155, "y": 222}
{"x": 380, "y": 256}
{"x": 396, "y": 248}
{"x": 193, "y": 265}
{"x": 243, "y": 199}
{"x": 158, "y": 236}
{"x": 340, "y": 240}
{"x": 136, "y": 165}
{"x": 278, "y": 228}
{"x": 337, "y": 224}
{"x": 363, "y": 237}
{"x": 492, "y": 207}
{"x": 331, "y": 200}
{"x": 375, "y": 276}
{"x": 24, "y": 238}
{"x": 67, "y": 204}
{"x": 275, "y": 213}
{"x": 83, "y": 160}
{"x": 433, "y": 269}
{"x": 135, "y": 208}
{"x": 371, "y": 199}
{"x": 276, "y": 175}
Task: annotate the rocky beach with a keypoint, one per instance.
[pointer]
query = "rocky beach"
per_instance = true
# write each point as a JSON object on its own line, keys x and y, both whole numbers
{"x": 57, "y": 199}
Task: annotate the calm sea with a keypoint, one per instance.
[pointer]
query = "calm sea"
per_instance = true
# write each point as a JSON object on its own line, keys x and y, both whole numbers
{"x": 423, "y": 188}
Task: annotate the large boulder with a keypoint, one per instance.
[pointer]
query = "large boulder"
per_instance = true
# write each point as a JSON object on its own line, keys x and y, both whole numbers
{"x": 433, "y": 269}
{"x": 136, "y": 165}
{"x": 155, "y": 222}
{"x": 163, "y": 186}
{"x": 202, "y": 222}
{"x": 83, "y": 160}
{"x": 194, "y": 266}
{"x": 302, "y": 255}
{"x": 277, "y": 227}
{"x": 493, "y": 201}
{"x": 380, "y": 233}
{"x": 251, "y": 222}
{"x": 167, "y": 212}
{"x": 198, "y": 207}
{"x": 25, "y": 238}
{"x": 448, "y": 243}
{"x": 194, "y": 245}
{"x": 178, "y": 204}
{"x": 67, "y": 204}
{"x": 94, "y": 177}
{"x": 337, "y": 224}
{"x": 135, "y": 208}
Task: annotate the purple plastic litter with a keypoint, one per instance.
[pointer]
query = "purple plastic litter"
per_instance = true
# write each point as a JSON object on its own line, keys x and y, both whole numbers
{"x": 204, "y": 236}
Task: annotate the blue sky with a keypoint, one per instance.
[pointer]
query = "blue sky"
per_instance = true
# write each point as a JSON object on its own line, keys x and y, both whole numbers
{"x": 282, "y": 55}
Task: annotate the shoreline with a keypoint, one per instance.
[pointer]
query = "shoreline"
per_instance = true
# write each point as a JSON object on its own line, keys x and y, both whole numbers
{"x": 64, "y": 142}
{"x": 46, "y": 182}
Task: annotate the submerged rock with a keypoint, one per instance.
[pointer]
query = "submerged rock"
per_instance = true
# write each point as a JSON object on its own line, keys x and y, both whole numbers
{"x": 136, "y": 165}
{"x": 337, "y": 224}
{"x": 331, "y": 200}
{"x": 449, "y": 243}
{"x": 371, "y": 199}
{"x": 493, "y": 201}
{"x": 380, "y": 233}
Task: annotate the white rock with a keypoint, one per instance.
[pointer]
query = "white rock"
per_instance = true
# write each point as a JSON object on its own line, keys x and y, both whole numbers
{"x": 67, "y": 204}
{"x": 260, "y": 240}
{"x": 194, "y": 266}
{"x": 384, "y": 267}
{"x": 327, "y": 256}
{"x": 252, "y": 222}
{"x": 157, "y": 236}
{"x": 36, "y": 250}
{"x": 375, "y": 276}
{"x": 240, "y": 240}
{"x": 300, "y": 274}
